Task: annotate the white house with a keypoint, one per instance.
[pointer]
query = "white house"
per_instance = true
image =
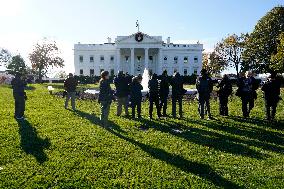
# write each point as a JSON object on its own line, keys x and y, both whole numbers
{"x": 136, "y": 52}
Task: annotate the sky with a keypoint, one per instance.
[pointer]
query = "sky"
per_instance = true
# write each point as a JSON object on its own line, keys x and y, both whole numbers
{"x": 26, "y": 22}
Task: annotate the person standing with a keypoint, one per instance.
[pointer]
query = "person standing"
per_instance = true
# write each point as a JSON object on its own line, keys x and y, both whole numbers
{"x": 164, "y": 92}
{"x": 153, "y": 86}
{"x": 177, "y": 93}
{"x": 247, "y": 86}
{"x": 225, "y": 90}
{"x": 122, "y": 92}
{"x": 136, "y": 96}
{"x": 19, "y": 94}
{"x": 204, "y": 86}
{"x": 271, "y": 91}
{"x": 70, "y": 85}
{"x": 105, "y": 97}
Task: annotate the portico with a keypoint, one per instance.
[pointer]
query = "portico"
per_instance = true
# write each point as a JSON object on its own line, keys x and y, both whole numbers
{"x": 135, "y": 60}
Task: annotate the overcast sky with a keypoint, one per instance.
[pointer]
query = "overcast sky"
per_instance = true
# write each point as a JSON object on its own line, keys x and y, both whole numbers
{"x": 24, "y": 22}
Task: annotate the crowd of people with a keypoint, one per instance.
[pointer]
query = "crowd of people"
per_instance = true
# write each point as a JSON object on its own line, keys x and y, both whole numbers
{"x": 128, "y": 93}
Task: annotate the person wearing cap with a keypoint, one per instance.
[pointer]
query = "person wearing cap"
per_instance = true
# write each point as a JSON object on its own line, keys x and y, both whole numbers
{"x": 70, "y": 85}
{"x": 204, "y": 86}
{"x": 164, "y": 92}
{"x": 136, "y": 96}
{"x": 271, "y": 91}
{"x": 153, "y": 86}
{"x": 105, "y": 97}
{"x": 177, "y": 93}
{"x": 19, "y": 94}
{"x": 122, "y": 92}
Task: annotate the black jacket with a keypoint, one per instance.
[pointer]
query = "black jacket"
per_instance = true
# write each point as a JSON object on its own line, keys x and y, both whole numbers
{"x": 204, "y": 85}
{"x": 271, "y": 90}
{"x": 135, "y": 92}
{"x": 70, "y": 84}
{"x": 153, "y": 86}
{"x": 106, "y": 93}
{"x": 164, "y": 86}
{"x": 18, "y": 86}
{"x": 225, "y": 88}
{"x": 122, "y": 87}
{"x": 177, "y": 86}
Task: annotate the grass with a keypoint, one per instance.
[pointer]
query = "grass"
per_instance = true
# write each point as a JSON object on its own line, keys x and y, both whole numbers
{"x": 58, "y": 148}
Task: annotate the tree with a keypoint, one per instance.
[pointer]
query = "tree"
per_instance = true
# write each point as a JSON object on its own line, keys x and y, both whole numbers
{"x": 213, "y": 63}
{"x": 61, "y": 74}
{"x": 230, "y": 51}
{"x": 262, "y": 43}
{"x": 5, "y": 56}
{"x": 277, "y": 59}
{"x": 44, "y": 56}
{"x": 17, "y": 64}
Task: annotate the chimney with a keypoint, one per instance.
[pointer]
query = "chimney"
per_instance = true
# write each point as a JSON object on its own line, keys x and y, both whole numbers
{"x": 168, "y": 40}
{"x": 109, "y": 40}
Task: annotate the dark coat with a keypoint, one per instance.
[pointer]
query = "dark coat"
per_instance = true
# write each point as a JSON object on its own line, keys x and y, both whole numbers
{"x": 177, "y": 86}
{"x": 122, "y": 87}
{"x": 18, "y": 86}
{"x": 70, "y": 84}
{"x": 204, "y": 85}
{"x": 271, "y": 91}
{"x": 153, "y": 86}
{"x": 225, "y": 88}
{"x": 247, "y": 87}
{"x": 164, "y": 86}
{"x": 135, "y": 92}
{"x": 106, "y": 93}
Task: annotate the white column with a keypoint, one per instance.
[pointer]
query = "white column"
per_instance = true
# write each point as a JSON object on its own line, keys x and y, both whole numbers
{"x": 180, "y": 65}
{"x": 160, "y": 62}
{"x": 118, "y": 66}
{"x": 132, "y": 62}
{"x": 146, "y": 59}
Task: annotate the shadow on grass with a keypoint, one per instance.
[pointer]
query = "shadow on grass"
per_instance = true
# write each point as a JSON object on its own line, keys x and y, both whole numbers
{"x": 95, "y": 120}
{"x": 278, "y": 125}
{"x": 202, "y": 170}
{"x": 206, "y": 138}
{"x": 257, "y": 136}
{"x": 31, "y": 143}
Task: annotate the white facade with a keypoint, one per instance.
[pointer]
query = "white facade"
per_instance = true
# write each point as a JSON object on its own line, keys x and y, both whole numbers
{"x": 136, "y": 52}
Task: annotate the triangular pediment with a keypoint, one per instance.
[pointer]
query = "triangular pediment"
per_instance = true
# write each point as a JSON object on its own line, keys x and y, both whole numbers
{"x": 132, "y": 39}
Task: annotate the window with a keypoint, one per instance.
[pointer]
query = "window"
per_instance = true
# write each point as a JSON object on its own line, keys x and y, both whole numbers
{"x": 81, "y": 58}
{"x": 165, "y": 60}
{"x": 111, "y": 58}
{"x": 185, "y": 60}
{"x": 91, "y": 58}
{"x": 185, "y": 72}
{"x": 81, "y": 72}
{"x": 195, "y": 71}
{"x": 102, "y": 58}
{"x": 92, "y": 72}
{"x": 112, "y": 72}
{"x": 175, "y": 60}
{"x": 195, "y": 59}
{"x": 126, "y": 58}
{"x": 151, "y": 58}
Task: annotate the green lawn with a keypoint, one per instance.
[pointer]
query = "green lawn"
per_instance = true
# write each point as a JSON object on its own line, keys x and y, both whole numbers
{"x": 58, "y": 148}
